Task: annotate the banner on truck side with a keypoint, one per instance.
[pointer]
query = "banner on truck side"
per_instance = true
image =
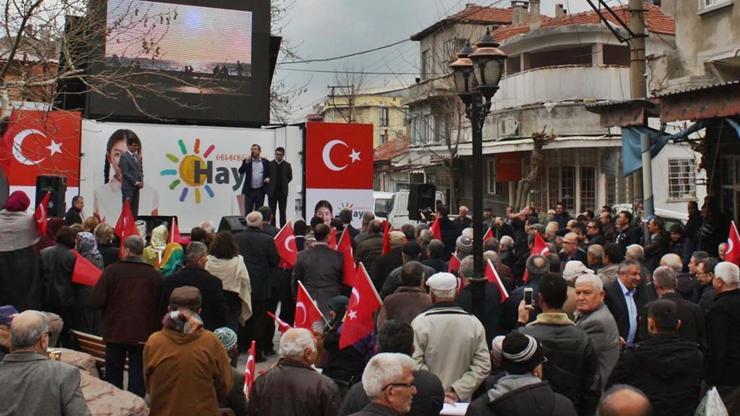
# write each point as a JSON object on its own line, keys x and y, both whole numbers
{"x": 191, "y": 172}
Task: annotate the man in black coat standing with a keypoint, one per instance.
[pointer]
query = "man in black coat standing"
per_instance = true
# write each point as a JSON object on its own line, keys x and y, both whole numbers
{"x": 261, "y": 258}
{"x": 320, "y": 269}
{"x": 722, "y": 360}
{"x": 132, "y": 176}
{"x": 256, "y": 172}
{"x": 625, "y": 298}
{"x": 689, "y": 313}
{"x": 74, "y": 213}
{"x": 213, "y": 309}
{"x": 281, "y": 173}
{"x": 664, "y": 367}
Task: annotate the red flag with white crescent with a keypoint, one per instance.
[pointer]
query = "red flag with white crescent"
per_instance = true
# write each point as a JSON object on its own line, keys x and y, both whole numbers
{"x": 488, "y": 235}
{"x": 250, "y": 369}
{"x": 41, "y": 213}
{"x": 306, "y": 311}
{"x": 84, "y": 272}
{"x": 493, "y": 277}
{"x": 733, "y": 245}
{"x": 282, "y": 325}
{"x": 286, "y": 247}
{"x": 345, "y": 247}
{"x": 359, "y": 321}
{"x": 453, "y": 265}
{"x": 126, "y": 225}
{"x": 436, "y": 229}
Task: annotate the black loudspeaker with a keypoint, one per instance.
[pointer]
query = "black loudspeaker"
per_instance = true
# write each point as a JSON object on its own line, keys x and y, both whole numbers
{"x": 155, "y": 221}
{"x": 233, "y": 223}
{"x": 57, "y": 185}
{"x": 421, "y": 196}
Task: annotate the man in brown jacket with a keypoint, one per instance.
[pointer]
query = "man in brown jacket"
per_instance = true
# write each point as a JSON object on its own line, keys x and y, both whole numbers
{"x": 292, "y": 387}
{"x": 128, "y": 292}
{"x": 410, "y": 299}
{"x": 186, "y": 368}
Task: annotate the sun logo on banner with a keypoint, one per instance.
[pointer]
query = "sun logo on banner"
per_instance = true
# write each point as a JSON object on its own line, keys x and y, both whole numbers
{"x": 185, "y": 171}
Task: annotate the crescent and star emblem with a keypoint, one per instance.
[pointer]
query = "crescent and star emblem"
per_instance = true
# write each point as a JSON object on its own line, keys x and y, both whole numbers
{"x": 326, "y": 155}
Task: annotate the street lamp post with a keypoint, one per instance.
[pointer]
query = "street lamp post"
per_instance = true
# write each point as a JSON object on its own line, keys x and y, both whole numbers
{"x": 476, "y": 74}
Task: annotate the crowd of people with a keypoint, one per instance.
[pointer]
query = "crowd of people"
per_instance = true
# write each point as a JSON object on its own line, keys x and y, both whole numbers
{"x": 617, "y": 315}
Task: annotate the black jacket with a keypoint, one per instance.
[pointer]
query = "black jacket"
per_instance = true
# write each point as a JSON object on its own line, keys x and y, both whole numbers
{"x": 281, "y": 179}
{"x": 630, "y": 235}
{"x": 260, "y": 257}
{"x": 614, "y": 299}
{"x": 691, "y": 316}
{"x": 72, "y": 217}
{"x": 492, "y": 308}
{"x": 510, "y": 309}
{"x": 246, "y": 169}
{"x": 437, "y": 264}
{"x": 449, "y": 235}
{"x": 57, "y": 263}
{"x": 110, "y": 253}
{"x": 667, "y": 369}
{"x": 213, "y": 309}
{"x": 658, "y": 246}
{"x": 722, "y": 360}
{"x": 428, "y": 399}
{"x": 384, "y": 265}
{"x": 534, "y": 399}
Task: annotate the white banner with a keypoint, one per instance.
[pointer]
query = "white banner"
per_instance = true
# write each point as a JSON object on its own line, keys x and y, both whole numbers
{"x": 189, "y": 171}
{"x": 358, "y": 200}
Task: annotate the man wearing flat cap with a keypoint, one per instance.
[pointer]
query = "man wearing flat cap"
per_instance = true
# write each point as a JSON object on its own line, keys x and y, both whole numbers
{"x": 521, "y": 390}
{"x": 449, "y": 342}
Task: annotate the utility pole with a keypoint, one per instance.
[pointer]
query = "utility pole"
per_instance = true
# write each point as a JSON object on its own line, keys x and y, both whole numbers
{"x": 641, "y": 181}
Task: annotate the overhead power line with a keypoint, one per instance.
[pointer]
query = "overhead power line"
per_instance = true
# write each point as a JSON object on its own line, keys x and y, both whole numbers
{"x": 305, "y": 61}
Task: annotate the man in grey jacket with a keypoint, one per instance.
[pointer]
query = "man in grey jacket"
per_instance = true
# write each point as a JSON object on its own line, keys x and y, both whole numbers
{"x": 594, "y": 317}
{"x": 33, "y": 384}
{"x": 450, "y": 343}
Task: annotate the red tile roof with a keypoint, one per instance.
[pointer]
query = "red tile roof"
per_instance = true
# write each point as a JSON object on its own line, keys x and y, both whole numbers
{"x": 392, "y": 148}
{"x": 476, "y": 13}
{"x": 655, "y": 20}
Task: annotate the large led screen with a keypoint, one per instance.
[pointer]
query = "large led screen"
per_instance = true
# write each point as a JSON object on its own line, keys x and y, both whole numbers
{"x": 204, "y": 61}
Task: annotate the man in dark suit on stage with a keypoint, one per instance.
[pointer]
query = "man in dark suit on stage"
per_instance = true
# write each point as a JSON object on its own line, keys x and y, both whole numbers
{"x": 281, "y": 174}
{"x": 256, "y": 172}
{"x": 132, "y": 177}
{"x": 626, "y": 298}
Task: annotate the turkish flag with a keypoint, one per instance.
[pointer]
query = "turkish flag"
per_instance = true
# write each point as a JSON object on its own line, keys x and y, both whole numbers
{"x": 42, "y": 143}
{"x": 488, "y": 235}
{"x": 436, "y": 229}
{"x": 345, "y": 247}
{"x": 386, "y": 238}
{"x": 126, "y": 225}
{"x": 493, "y": 277}
{"x": 539, "y": 247}
{"x": 339, "y": 156}
{"x": 453, "y": 265}
{"x": 84, "y": 272}
{"x": 41, "y": 213}
{"x": 250, "y": 369}
{"x": 174, "y": 231}
{"x": 282, "y": 325}
{"x": 306, "y": 311}
{"x": 733, "y": 245}
{"x": 332, "y": 239}
{"x": 359, "y": 321}
{"x": 285, "y": 244}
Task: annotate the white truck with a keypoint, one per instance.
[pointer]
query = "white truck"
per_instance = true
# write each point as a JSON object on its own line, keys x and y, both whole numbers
{"x": 393, "y": 206}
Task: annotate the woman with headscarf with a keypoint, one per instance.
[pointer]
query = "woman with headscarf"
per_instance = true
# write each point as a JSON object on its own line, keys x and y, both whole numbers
{"x": 88, "y": 318}
{"x": 172, "y": 259}
{"x": 154, "y": 252}
{"x": 20, "y": 283}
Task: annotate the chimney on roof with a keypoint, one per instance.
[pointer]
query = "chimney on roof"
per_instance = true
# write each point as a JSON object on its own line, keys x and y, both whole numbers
{"x": 534, "y": 14}
{"x": 560, "y": 11}
{"x": 519, "y": 12}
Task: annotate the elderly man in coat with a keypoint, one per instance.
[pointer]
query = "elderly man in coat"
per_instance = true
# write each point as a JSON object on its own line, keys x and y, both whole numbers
{"x": 261, "y": 258}
{"x": 594, "y": 317}
{"x": 320, "y": 268}
{"x": 449, "y": 342}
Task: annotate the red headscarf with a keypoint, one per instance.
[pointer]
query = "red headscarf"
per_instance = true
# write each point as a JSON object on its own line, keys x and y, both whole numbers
{"x": 17, "y": 201}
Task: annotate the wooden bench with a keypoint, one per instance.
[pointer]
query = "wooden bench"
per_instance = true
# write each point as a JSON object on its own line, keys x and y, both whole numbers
{"x": 93, "y": 345}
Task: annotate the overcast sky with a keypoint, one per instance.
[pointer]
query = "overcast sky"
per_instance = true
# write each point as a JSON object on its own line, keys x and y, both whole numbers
{"x": 328, "y": 28}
